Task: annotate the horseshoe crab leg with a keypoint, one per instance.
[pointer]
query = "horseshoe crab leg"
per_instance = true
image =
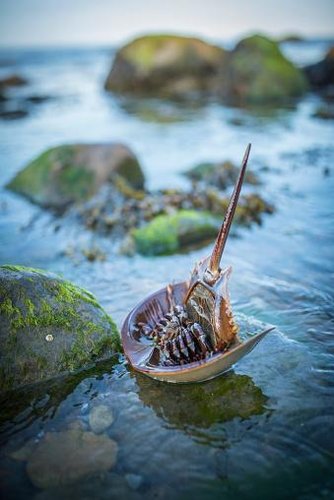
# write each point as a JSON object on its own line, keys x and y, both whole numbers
{"x": 212, "y": 270}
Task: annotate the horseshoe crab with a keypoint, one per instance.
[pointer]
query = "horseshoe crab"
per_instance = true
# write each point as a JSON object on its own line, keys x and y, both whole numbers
{"x": 186, "y": 332}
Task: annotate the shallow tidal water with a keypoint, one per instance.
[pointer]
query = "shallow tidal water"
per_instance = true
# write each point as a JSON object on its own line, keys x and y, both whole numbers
{"x": 266, "y": 428}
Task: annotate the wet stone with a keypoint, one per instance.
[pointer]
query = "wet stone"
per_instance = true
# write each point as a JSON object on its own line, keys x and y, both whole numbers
{"x": 100, "y": 418}
{"x": 67, "y": 456}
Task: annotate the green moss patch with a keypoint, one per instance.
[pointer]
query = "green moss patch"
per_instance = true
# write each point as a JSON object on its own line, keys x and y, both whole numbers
{"x": 167, "y": 234}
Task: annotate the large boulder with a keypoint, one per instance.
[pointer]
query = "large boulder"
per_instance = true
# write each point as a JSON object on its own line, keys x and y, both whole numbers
{"x": 72, "y": 173}
{"x": 321, "y": 74}
{"x": 257, "y": 72}
{"x": 165, "y": 65}
{"x": 48, "y": 326}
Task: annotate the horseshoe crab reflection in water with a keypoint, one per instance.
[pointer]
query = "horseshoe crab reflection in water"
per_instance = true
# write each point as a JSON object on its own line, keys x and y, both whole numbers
{"x": 196, "y": 409}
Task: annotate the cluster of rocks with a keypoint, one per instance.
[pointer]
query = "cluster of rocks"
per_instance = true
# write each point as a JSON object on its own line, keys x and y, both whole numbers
{"x": 255, "y": 71}
{"x": 13, "y": 104}
{"x": 102, "y": 185}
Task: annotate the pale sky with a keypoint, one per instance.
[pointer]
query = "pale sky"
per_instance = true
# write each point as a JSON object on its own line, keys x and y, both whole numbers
{"x": 87, "y": 22}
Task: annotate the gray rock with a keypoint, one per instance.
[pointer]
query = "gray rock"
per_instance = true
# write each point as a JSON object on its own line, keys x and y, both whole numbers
{"x": 67, "y": 456}
{"x": 100, "y": 418}
{"x": 48, "y": 326}
{"x": 73, "y": 173}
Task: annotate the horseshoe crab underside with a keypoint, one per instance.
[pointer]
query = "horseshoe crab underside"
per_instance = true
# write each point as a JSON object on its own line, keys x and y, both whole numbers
{"x": 144, "y": 356}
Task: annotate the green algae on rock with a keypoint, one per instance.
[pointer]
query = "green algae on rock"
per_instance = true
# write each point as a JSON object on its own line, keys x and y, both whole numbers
{"x": 73, "y": 173}
{"x": 167, "y": 234}
{"x": 48, "y": 326}
{"x": 258, "y": 73}
{"x": 164, "y": 65}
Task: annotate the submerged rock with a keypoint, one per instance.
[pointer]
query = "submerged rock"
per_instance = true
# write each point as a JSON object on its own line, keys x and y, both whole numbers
{"x": 165, "y": 65}
{"x": 134, "y": 480}
{"x": 67, "y": 456}
{"x": 167, "y": 234}
{"x": 100, "y": 418}
{"x": 321, "y": 74}
{"x": 48, "y": 326}
{"x": 220, "y": 175}
{"x": 67, "y": 174}
{"x": 257, "y": 72}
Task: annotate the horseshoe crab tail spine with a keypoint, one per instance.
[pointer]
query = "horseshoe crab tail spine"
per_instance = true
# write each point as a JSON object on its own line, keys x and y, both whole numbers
{"x": 214, "y": 263}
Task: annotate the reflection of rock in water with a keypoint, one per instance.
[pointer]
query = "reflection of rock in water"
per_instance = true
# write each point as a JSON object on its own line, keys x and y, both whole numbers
{"x": 21, "y": 407}
{"x": 156, "y": 111}
{"x": 196, "y": 408}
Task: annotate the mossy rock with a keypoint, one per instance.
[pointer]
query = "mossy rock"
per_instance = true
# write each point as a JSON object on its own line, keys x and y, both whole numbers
{"x": 258, "y": 73}
{"x": 167, "y": 234}
{"x": 221, "y": 175}
{"x": 48, "y": 326}
{"x": 73, "y": 173}
{"x": 165, "y": 65}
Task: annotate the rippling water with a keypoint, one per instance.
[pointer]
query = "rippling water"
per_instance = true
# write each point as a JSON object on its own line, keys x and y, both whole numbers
{"x": 264, "y": 430}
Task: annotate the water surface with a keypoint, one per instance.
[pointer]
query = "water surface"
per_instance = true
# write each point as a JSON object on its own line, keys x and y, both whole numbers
{"x": 266, "y": 428}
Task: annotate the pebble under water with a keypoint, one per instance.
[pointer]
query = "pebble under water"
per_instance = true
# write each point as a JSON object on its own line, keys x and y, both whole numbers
{"x": 264, "y": 429}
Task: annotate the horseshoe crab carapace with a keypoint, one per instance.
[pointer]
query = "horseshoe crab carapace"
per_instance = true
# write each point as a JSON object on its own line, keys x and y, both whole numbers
{"x": 186, "y": 332}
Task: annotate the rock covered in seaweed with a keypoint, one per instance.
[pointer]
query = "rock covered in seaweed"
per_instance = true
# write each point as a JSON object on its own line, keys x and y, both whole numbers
{"x": 48, "y": 326}
{"x": 165, "y": 65}
{"x": 257, "y": 72}
{"x": 67, "y": 174}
